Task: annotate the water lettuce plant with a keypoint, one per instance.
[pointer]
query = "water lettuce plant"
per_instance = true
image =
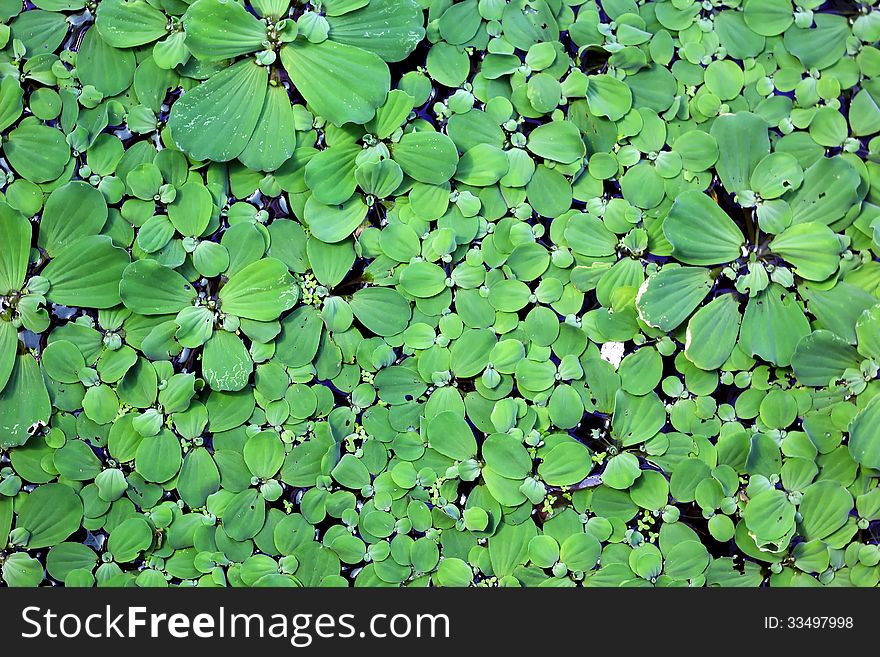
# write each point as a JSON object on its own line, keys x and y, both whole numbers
{"x": 440, "y": 293}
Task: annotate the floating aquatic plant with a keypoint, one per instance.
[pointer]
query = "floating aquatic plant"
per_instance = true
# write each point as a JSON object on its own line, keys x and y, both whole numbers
{"x": 440, "y": 292}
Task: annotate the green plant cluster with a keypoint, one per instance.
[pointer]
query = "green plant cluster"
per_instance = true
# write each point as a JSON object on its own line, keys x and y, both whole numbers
{"x": 440, "y": 292}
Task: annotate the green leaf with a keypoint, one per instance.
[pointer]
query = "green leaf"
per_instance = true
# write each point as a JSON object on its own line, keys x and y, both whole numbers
{"x": 839, "y": 308}
{"x": 229, "y": 103}
{"x": 11, "y": 106}
{"x": 812, "y": 248}
{"x": 566, "y": 464}
{"x": 580, "y": 552}
{"x": 110, "y": 70}
{"x": 300, "y": 337}
{"x": 509, "y": 546}
{"x": 274, "y": 137}
{"x": 587, "y": 235}
{"x": 559, "y": 141}
{"x": 37, "y": 152}
{"x": 608, "y": 97}
{"x": 621, "y": 471}
{"x": 821, "y": 357}
{"x": 770, "y": 515}
{"x": 429, "y": 157}
{"x": 743, "y": 142}
{"x": 74, "y": 210}
{"x": 129, "y": 23}
{"x": 392, "y": 29}
{"x": 864, "y": 435}
{"x": 329, "y": 174}
{"x": 50, "y": 513}
{"x": 86, "y": 273}
{"x": 686, "y": 560}
{"x": 824, "y": 508}
{"x": 222, "y": 29}
{"x": 226, "y": 364}
{"x": 712, "y": 332}
{"x": 264, "y": 454}
{"x": 149, "y": 288}
{"x": 334, "y": 223}
{"x": 262, "y": 291}
{"x": 829, "y": 190}
{"x": 8, "y": 351}
{"x": 244, "y": 516}
{"x": 700, "y": 232}
{"x": 158, "y": 457}
{"x": 637, "y": 418}
{"x": 15, "y": 235}
{"x": 199, "y": 477}
{"x": 772, "y": 326}
{"x": 393, "y": 114}
{"x": 449, "y": 434}
{"x": 768, "y": 17}
{"x": 128, "y": 539}
{"x": 668, "y": 297}
{"x": 24, "y": 403}
{"x": 382, "y": 311}
{"x": 343, "y": 84}
{"x": 191, "y": 210}
{"x": 351, "y": 472}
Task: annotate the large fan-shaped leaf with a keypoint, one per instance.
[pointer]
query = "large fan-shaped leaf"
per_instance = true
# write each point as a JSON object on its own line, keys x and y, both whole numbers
{"x": 864, "y": 435}
{"x": 86, "y": 273}
{"x": 429, "y": 157}
{"x": 72, "y": 211}
{"x": 110, "y": 70}
{"x": 129, "y": 23}
{"x": 37, "y": 152}
{"x": 50, "y": 513}
{"x": 830, "y": 188}
{"x": 222, "y": 29}
{"x": 24, "y": 402}
{"x": 824, "y": 508}
{"x": 700, "y": 232}
{"x": 821, "y": 357}
{"x": 11, "y": 105}
{"x": 637, "y": 418}
{"x": 342, "y": 83}
{"x": 330, "y": 174}
{"x": 40, "y": 32}
{"x": 8, "y": 347}
{"x": 381, "y": 310}
{"x": 199, "y": 477}
{"x": 216, "y": 119}
{"x": 15, "y": 236}
{"x": 390, "y": 28}
{"x": 772, "y": 326}
{"x": 333, "y": 223}
{"x": 149, "y": 288}
{"x": 559, "y": 141}
{"x": 261, "y": 291}
{"x": 226, "y": 364}
{"x": 712, "y": 332}
{"x": 274, "y": 137}
{"x": 743, "y": 141}
{"x": 668, "y": 297}
{"x": 812, "y": 248}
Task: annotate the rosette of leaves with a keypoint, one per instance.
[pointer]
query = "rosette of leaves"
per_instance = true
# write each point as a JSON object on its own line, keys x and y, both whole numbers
{"x": 250, "y": 300}
{"x": 701, "y": 234}
{"x": 336, "y": 61}
{"x": 373, "y": 159}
